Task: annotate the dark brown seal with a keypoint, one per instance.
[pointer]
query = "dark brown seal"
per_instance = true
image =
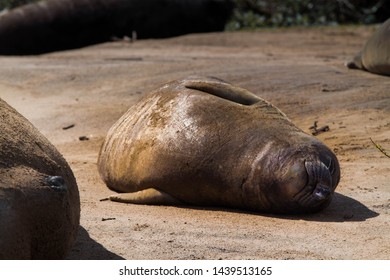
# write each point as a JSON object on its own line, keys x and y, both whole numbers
{"x": 201, "y": 141}
{"x": 375, "y": 55}
{"x": 54, "y": 25}
{"x": 39, "y": 198}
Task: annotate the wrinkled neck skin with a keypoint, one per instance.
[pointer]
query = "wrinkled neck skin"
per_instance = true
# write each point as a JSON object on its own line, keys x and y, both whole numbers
{"x": 297, "y": 177}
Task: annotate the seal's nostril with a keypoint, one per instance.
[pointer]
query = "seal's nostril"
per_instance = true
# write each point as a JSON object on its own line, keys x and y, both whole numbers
{"x": 328, "y": 162}
{"x": 331, "y": 166}
{"x": 321, "y": 192}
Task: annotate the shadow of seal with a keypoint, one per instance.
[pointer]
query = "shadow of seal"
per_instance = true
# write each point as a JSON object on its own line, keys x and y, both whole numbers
{"x": 202, "y": 141}
{"x": 39, "y": 198}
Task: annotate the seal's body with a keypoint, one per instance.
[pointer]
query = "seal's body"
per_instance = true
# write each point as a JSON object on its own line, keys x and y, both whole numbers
{"x": 201, "y": 141}
{"x": 39, "y": 199}
{"x": 375, "y": 55}
{"x": 54, "y": 25}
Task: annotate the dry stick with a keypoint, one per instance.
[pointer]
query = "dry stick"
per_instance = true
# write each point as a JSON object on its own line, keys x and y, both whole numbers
{"x": 380, "y": 148}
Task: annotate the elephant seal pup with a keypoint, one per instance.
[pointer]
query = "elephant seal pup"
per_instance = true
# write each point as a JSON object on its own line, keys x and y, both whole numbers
{"x": 39, "y": 198}
{"x": 201, "y": 141}
{"x": 375, "y": 56}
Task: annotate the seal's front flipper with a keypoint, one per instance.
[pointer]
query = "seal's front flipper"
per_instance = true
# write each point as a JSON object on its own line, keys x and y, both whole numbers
{"x": 148, "y": 196}
{"x": 223, "y": 90}
{"x": 230, "y": 92}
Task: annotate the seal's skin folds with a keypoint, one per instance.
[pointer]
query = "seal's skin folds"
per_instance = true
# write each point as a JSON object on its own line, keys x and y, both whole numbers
{"x": 375, "y": 55}
{"x": 39, "y": 198}
{"x": 202, "y": 141}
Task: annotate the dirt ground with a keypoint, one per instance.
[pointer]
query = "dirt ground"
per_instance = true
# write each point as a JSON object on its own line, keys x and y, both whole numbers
{"x": 301, "y": 71}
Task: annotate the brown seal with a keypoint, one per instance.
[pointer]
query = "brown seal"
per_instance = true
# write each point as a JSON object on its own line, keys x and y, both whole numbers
{"x": 375, "y": 55}
{"x": 201, "y": 141}
{"x": 39, "y": 198}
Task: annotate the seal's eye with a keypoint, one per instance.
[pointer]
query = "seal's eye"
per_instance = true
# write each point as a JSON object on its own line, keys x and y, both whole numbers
{"x": 56, "y": 182}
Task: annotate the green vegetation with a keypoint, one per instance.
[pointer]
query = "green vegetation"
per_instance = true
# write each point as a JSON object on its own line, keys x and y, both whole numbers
{"x": 9, "y": 4}
{"x": 250, "y": 14}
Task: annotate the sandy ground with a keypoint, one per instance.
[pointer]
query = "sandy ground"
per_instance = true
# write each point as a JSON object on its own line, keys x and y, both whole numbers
{"x": 299, "y": 70}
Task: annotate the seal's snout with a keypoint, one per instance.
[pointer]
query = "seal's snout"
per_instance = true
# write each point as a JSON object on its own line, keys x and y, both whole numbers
{"x": 319, "y": 179}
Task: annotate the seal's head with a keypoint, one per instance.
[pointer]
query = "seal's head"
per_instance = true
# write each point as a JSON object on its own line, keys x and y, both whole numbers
{"x": 307, "y": 178}
{"x": 298, "y": 179}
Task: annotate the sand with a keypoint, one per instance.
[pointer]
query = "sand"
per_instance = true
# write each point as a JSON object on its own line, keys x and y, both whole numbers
{"x": 301, "y": 71}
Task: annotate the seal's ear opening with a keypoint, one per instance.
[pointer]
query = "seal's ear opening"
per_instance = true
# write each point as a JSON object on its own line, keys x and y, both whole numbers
{"x": 223, "y": 90}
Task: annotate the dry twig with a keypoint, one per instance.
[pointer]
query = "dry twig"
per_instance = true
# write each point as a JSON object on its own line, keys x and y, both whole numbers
{"x": 380, "y": 148}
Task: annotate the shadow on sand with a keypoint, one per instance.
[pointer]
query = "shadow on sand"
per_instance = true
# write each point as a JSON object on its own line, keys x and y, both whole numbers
{"x": 344, "y": 209}
{"x": 341, "y": 209}
{"x": 86, "y": 248}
